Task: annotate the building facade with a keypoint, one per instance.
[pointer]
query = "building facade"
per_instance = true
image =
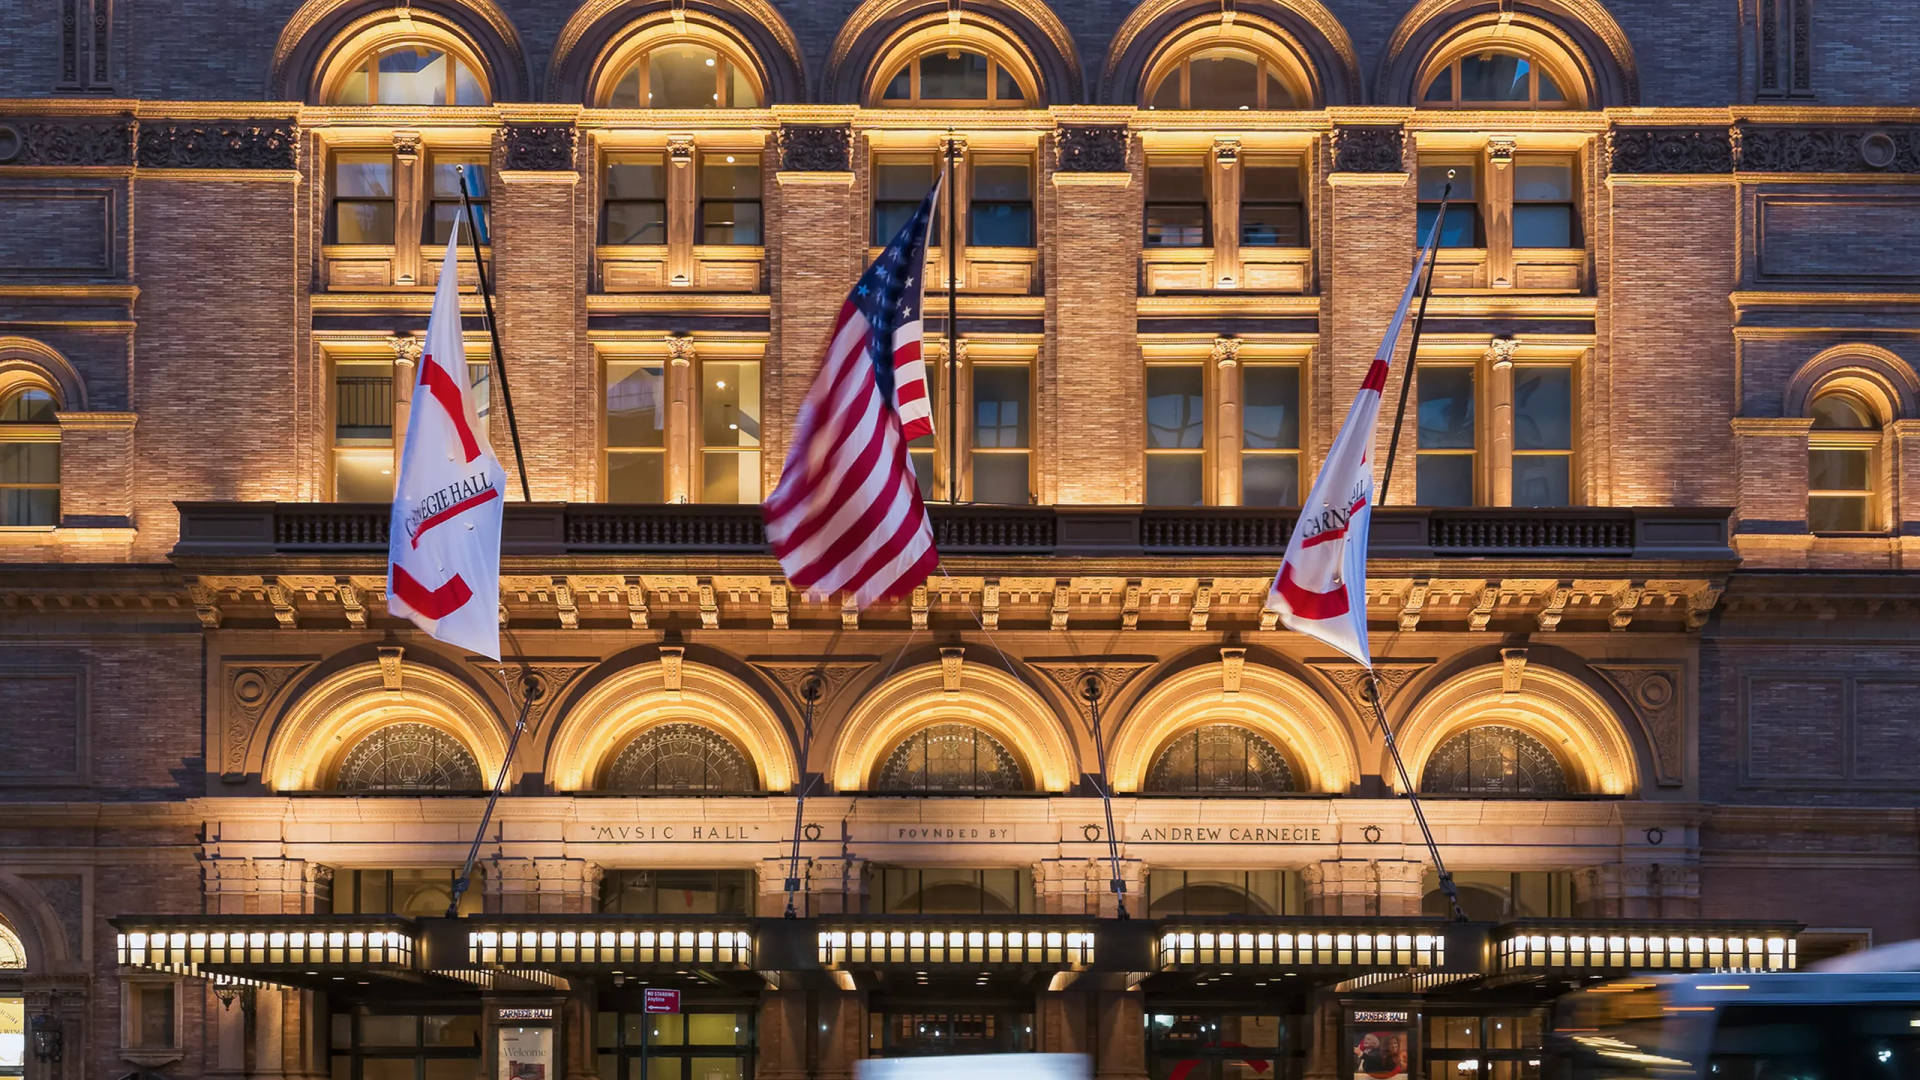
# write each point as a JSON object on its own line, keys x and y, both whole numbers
{"x": 1639, "y": 598}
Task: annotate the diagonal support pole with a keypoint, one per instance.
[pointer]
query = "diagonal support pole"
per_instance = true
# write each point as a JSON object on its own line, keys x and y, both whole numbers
{"x": 1090, "y": 689}
{"x": 1413, "y": 799}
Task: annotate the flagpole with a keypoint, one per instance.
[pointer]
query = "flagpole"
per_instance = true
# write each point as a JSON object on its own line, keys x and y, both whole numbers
{"x": 811, "y": 691}
{"x": 1386, "y": 481}
{"x": 1090, "y": 689}
{"x": 493, "y": 333}
{"x": 953, "y": 321}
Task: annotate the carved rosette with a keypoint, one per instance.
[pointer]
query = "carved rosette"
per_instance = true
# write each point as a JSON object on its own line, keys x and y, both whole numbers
{"x": 1829, "y": 149}
{"x": 1669, "y": 150}
{"x": 792, "y": 677}
{"x": 1091, "y": 148}
{"x": 251, "y": 690}
{"x": 537, "y": 147}
{"x": 816, "y": 148}
{"x": 550, "y": 681}
{"x": 1352, "y": 681}
{"x": 1368, "y": 148}
{"x": 1653, "y": 692}
{"x": 1114, "y": 675}
{"x": 67, "y": 141}
{"x": 219, "y": 144}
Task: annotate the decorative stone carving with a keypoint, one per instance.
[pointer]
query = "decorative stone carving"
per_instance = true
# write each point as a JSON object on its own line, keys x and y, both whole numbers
{"x": 1653, "y": 692}
{"x": 1503, "y": 349}
{"x": 671, "y": 659}
{"x": 219, "y": 144}
{"x": 1513, "y": 669}
{"x": 538, "y": 147}
{"x": 406, "y": 143}
{"x": 679, "y": 349}
{"x": 816, "y": 148}
{"x": 1114, "y": 674}
{"x": 1669, "y": 150}
{"x": 1829, "y": 149}
{"x": 251, "y": 690}
{"x": 1226, "y": 152}
{"x": 1226, "y": 351}
{"x": 792, "y": 676}
{"x": 66, "y": 896}
{"x": 106, "y": 140}
{"x": 1352, "y": 681}
{"x": 391, "y": 667}
{"x": 1233, "y": 661}
{"x": 1091, "y": 148}
{"x": 550, "y": 682}
{"x": 406, "y": 350}
{"x": 953, "y": 661}
{"x": 1368, "y": 148}
{"x": 1500, "y": 149}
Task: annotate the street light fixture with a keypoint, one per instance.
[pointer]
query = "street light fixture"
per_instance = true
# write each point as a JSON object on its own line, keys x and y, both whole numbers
{"x": 49, "y": 1039}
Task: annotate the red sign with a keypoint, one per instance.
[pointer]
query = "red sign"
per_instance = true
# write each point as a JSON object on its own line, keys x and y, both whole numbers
{"x": 662, "y": 1001}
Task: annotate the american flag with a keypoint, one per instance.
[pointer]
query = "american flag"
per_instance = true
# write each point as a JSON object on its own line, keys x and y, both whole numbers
{"x": 847, "y": 513}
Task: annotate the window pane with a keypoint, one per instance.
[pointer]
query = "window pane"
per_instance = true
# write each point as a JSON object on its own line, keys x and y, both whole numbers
{"x": 1542, "y": 226}
{"x": 1176, "y": 226}
{"x": 1167, "y": 94}
{"x": 637, "y": 178}
{"x": 30, "y": 463}
{"x": 1840, "y": 412}
{"x": 1270, "y": 480}
{"x": 1445, "y": 480}
{"x": 1176, "y": 416}
{"x": 1433, "y": 181}
{"x": 413, "y": 75}
{"x": 156, "y": 1016}
{"x": 363, "y": 404}
{"x": 29, "y": 508}
{"x": 1550, "y": 90}
{"x": 636, "y": 404}
{"x": 715, "y": 1029}
{"x": 1003, "y": 181}
{"x": 682, "y": 76}
{"x": 1000, "y": 407}
{"x": 900, "y": 87}
{"x": 730, "y": 223}
{"x": 387, "y": 1068}
{"x": 730, "y": 403}
{"x": 730, "y": 176}
{"x": 1839, "y": 470}
{"x": 1543, "y": 183}
{"x": 441, "y": 218}
{"x": 1837, "y": 513}
{"x": 902, "y": 180}
{"x": 33, "y": 407}
{"x": 1001, "y": 478}
{"x": 363, "y": 222}
{"x": 1542, "y": 408}
{"x": 1004, "y": 86}
{"x": 1446, "y": 408}
{"x": 1493, "y": 77}
{"x": 1271, "y": 182}
{"x": 960, "y": 77}
{"x": 446, "y": 177}
{"x": 451, "y": 1030}
{"x": 389, "y": 1031}
{"x": 1175, "y": 480}
{"x": 1223, "y": 79}
{"x": 1542, "y": 480}
{"x": 1270, "y": 410}
{"x": 730, "y": 477}
{"x": 363, "y": 475}
{"x": 1001, "y": 225}
{"x": 1272, "y": 226}
{"x": 1441, "y": 88}
{"x": 637, "y": 223}
{"x": 1176, "y": 181}
{"x": 362, "y": 176}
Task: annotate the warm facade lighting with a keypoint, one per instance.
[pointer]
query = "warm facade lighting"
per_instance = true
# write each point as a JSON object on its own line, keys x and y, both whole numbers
{"x": 1182, "y": 947}
{"x": 971, "y": 945}
{"x": 516, "y": 946}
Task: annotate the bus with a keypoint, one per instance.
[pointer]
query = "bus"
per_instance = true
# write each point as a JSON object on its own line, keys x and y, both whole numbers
{"x": 1812, "y": 1025}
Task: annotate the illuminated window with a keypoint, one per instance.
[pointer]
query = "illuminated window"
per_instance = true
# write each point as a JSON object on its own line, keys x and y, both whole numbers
{"x": 1499, "y": 895}
{"x": 29, "y": 459}
{"x": 1000, "y": 202}
{"x": 394, "y": 1041}
{"x": 677, "y": 892}
{"x": 729, "y": 211}
{"x": 1224, "y": 892}
{"x": 679, "y": 758}
{"x": 413, "y": 891}
{"x": 443, "y": 198}
{"x": 1270, "y": 435}
{"x": 634, "y": 210}
{"x": 636, "y": 427}
{"x": 414, "y": 74}
{"x": 1503, "y": 1044}
{"x": 1842, "y": 462}
{"x": 1176, "y": 435}
{"x": 899, "y": 890}
{"x": 1542, "y": 435}
{"x": 1002, "y": 433}
{"x": 1177, "y": 202}
{"x": 1545, "y": 214}
{"x": 13, "y": 1034}
{"x": 1273, "y": 211}
{"x": 953, "y": 77}
{"x": 363, "y": 198}
{"x": 950, "y": 758}
{"x": 685, "y": 75}
{"x": 730, "y": 431}
{"x": 1222, "y": 77}
{"x": 900, "y": 183}
{"x": 408, "y": 756}
{"x": 1221, "y": 759}
{"x": 1447, "y": 446}
{"x": 1463, "y": 228}
{"x": 363, "y": 437}
{"x": 1493, "y": 79}
{"x": 1493, "y": 759}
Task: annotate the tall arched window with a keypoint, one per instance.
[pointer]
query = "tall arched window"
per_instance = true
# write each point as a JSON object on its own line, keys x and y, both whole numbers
{"x": 1222, "y": 77}
{"x": 679, "y": 758}
{"x": 409, "y": 73}
{"x": 408, "y": 757}
{"x": 1493, "y": 759}
{"x": 685, "y": 74}
{"x": 950, "y": 758}
{"x": 1221, "y": 759}
{"x": 1494, "y": 79}
{"x": 1842, "y": 450}
{"x": 29, "y": 458}
{"x": 950, "y": 76}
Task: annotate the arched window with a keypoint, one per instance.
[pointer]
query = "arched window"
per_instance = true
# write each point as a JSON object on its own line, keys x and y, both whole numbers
{"x": 409, "y": 73}
{"x": 1221, "y": 759}
{"x": 1841, "y": 464}
{"x": 679, "y": 758}
{"x": 13, "y": 957}
{"x": 949, "y": 77}
{"x": 408, "y": 757}
{"x": 950, "y": 757}
{"x": 29, "y": 459}
{"x": 1493, "y": 759}
{"x": 685, "y": 74}
{"x": 1222, "y": 77}
{"x": 1494, "y": 79}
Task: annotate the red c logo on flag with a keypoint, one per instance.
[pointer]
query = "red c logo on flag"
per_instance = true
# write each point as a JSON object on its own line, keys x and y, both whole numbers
{"x": 433, "y": 603}
{"x": 1308, "y": 604}
{"x": 441, "y": 386}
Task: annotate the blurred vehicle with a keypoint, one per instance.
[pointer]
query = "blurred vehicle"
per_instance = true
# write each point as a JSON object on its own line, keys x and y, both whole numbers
{"x": 977, "y": 1067}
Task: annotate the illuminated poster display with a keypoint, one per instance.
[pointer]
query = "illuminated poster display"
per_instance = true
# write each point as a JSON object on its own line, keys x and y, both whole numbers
{"x": 526, "y": 1053}
{"x": 1379, "y": 1048}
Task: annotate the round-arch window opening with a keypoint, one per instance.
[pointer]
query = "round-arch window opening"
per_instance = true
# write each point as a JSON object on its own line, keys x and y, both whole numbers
{"x": 1222, "y": 77}
{"x": 29, "y": 458}
{"x": 1493, "y": 759}
{"x": 950, "y": 757}
{"x": 409, "y": 74}
{"x": 952, "y": 76}
{"x": 685, "y": 75}
{"x": 13, "y": 955}
{"x": 409, "y": 757}
{"x": 679, "y": 757}
{"x": 1224, "y": 759}
{"x": 1494, "y": 78}
{"x": 1842, "y": 464}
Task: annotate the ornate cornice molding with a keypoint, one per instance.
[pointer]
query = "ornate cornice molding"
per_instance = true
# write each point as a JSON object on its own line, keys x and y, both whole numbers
{"x": 1670, "y": 150}
{"x": 1828, "y": 148}
{"x": 1368, "y": 148}
{"x": 219, "y": 144}
{"x": 822, "y": 148}
{"x": 1091, "y": 148}
{"x": 538, "y": 147}
{"x": 63, "y": 141}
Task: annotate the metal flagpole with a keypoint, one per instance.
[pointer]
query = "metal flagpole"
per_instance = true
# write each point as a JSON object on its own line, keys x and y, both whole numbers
{"x": 527, "y": 682}
{"x": 810, "y": 691}
{"x": 953, "y": 320}
{"x": 1386, "y": 480}
{"x": 1090, "y": 689}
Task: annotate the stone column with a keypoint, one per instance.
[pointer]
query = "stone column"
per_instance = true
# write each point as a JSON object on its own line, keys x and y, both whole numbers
{"x": 782, "y": 1036}
{"x": 681, "y": 200}
{"x": 541, "y": 885}
{"x": 406, "y": 361}
{"x": 842, "y": 1035}
{"x": 1498, "y": 199}
{"x": 541, "y": 250}
{"x": 1228, "y": 182}
{"x": 250, "y": 886}
{"x": 1227, "y": 432}
{"x": 1091, "y": 255}
{"x": 1120, "y": 1048}
{"x": 1402, "y": 884}
{"x": 1368, "y": 245}
{"x": 1500, "y": 401}
{"x": 1326, "y": 1057}
{"x": 410, "y": 196}
{"x": 1084, "y": 887}
{"x": 682, "y": 440}
{"x": 835, "y": 886}
{"x": 1341, "y": 887}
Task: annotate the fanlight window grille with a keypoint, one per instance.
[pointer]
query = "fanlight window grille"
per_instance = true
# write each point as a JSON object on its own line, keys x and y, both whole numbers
{"x": 950, "y": 758}
{"x": 410, "y": 75}
{"x": 1493, "y": 759}
{"x": 409, "y": 756}
{"x": 1222, "y": 759}
{"x": 13, "y": 955}
{"x": 680, "y": 757}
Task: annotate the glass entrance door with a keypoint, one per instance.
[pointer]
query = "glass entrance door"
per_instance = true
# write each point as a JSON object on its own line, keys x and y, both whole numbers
{"x": 935, "y": 1033}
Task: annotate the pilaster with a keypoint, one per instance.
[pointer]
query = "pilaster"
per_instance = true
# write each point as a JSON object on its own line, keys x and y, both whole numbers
{"x": 1370, "y": 200}
{"x": 1084, "y": 887}
{"x": 542, "y": 885}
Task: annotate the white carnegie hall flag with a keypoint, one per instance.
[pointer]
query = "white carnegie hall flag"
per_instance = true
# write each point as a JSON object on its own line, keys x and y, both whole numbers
{"x": 443, "y": 556}
{"x": 1321, "y": 589}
